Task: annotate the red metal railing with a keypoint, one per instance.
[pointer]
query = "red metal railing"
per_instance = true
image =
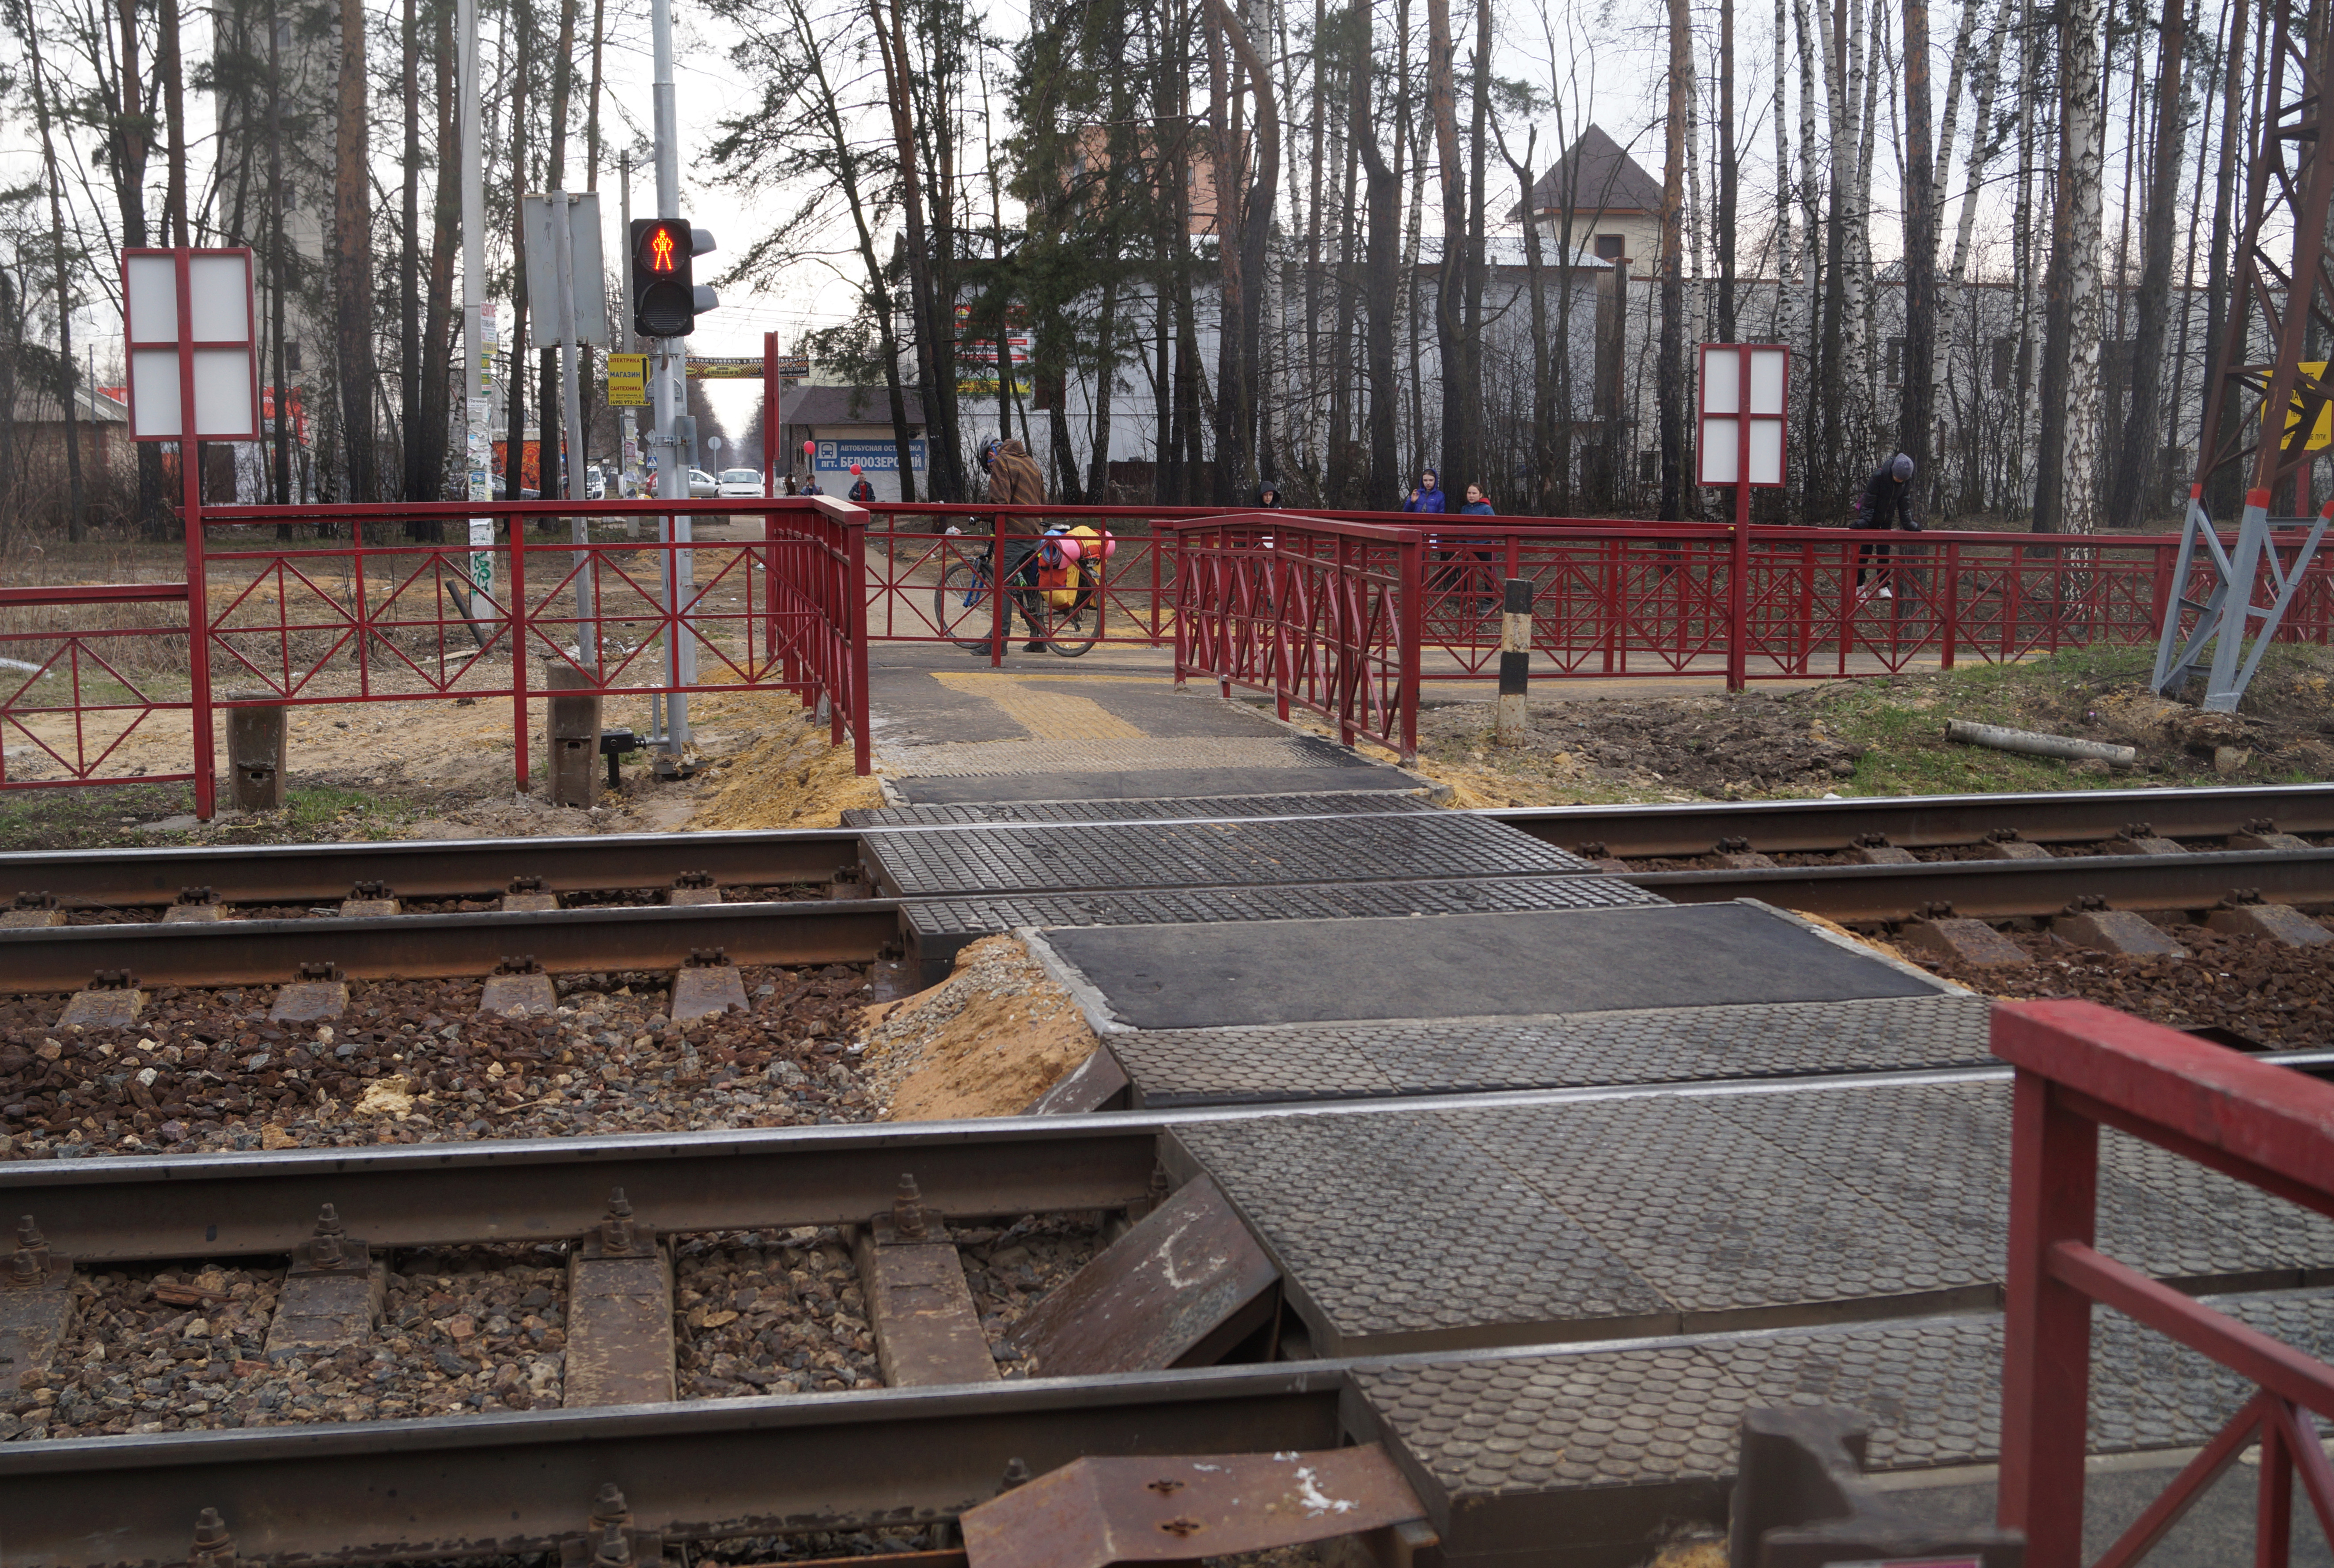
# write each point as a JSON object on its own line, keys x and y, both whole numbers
{"x": 1614, "y": 599}
{"x": 1323, "y": 615}
{"x": 360, "y": 613}
{"x": 2080, "y": 1067}
{"x": 76, "y": 695}
{"x": 363, "y": 613}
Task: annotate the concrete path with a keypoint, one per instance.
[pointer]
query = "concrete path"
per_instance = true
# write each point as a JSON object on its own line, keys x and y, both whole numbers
{"x": 1112, "y": 726}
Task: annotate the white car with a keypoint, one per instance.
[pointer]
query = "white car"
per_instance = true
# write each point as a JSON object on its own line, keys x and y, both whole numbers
{"x": 745, "y": 484}
{"x": 702, "y": 486}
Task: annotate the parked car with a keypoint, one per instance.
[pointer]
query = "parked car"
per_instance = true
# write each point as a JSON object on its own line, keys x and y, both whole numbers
{"x": 702, "y": 486}
{"x": 743, "y": 483}
{"x": 595, "y": 485}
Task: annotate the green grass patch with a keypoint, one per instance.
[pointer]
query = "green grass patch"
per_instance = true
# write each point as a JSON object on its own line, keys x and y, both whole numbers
{"x": 89, "y": 816}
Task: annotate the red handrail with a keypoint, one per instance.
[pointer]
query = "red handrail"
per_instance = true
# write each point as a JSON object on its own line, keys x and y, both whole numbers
{"x": 2080, "y": 1067}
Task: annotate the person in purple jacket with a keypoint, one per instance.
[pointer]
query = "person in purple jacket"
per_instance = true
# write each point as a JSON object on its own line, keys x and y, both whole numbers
{"x": 1427, "y": 497}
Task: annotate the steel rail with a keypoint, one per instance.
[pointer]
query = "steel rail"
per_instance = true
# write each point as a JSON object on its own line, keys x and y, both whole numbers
{"x": 2006, "y": 890}
{"x": 128, "y": 1208}
{"x": 490, "y": 1486}
{"x": 306, "y": 873}
{"x": 425, "y": 869}
{"x": 1925, "y": 821}
{"x": 269, "y": 952}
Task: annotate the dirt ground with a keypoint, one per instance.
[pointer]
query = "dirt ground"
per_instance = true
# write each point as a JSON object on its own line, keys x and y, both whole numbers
{"x": 1886, "y": 736}
{"x": 445, "y": 770}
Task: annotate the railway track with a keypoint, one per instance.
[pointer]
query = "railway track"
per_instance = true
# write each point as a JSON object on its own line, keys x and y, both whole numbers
{"x": 908, "y": 1458}
{"x": 800, "y": 897}
{"x": 647, "y": 864}
{"x": 755, "y": 1259}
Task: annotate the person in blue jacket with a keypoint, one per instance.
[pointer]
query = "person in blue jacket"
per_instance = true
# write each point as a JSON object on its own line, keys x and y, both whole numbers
{"x": 1427, "y": 497}
{"x": 1476, "y": 506}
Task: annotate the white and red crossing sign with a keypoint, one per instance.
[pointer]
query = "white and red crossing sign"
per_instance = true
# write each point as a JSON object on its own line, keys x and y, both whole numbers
{"x": 193, "y": 343}
{"x": 1745, "y": 396}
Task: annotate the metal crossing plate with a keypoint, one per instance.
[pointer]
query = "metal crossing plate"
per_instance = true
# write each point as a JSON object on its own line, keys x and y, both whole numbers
{"x": 1341, "y": 803}
{"x": 1400, "y": 846}
{"x": 1531, "y": 963}
{"x": 1175, "y": 1067}
{"x": 1669, "y": 1212}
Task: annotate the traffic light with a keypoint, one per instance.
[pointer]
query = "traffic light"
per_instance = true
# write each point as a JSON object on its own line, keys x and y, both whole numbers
{"x": 666, "y": 298}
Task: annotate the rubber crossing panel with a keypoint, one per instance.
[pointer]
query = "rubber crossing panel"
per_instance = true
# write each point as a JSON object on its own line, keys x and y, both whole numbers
{"x": 1580, "y": 1457}
{"x": 1340, "y": 803}
{"x": 1399, "y": 846}
{"x": 1670, "y": 1212}
{"x": 1297, "y": 1062}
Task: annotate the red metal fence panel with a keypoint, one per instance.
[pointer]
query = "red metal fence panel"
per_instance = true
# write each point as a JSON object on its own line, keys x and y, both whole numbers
{"x": 2081, "y": 1066}
{"x": 1323, "y": 615}
{"x": 332, "y": 604}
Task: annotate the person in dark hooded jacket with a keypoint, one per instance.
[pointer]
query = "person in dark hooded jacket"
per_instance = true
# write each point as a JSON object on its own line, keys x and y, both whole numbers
{"x": 1886, "y": 503}
{"x": 1016, "y": 480}
{"x": 1268, "y": 498}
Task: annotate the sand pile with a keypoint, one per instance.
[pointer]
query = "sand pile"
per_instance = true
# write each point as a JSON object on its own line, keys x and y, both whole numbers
{"x": 993, "y": 1036}
{"x": 789, "y": 776}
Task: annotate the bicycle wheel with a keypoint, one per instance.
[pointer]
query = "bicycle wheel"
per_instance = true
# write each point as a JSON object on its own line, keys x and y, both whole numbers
{"x": 962, "y": 608}
{"x": 1072, "y": 629}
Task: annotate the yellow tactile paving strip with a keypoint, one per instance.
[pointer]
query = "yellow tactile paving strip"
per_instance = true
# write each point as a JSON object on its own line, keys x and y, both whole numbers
{"x": 1045, "y": 715}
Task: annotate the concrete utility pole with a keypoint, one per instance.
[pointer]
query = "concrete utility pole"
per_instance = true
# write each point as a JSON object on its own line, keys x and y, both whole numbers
{"x": 562, "y": 260}
{"x": 667, "y": 397}
{"x": 629, "y": 454}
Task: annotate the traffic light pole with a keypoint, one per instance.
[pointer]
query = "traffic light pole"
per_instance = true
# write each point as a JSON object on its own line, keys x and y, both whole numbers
{"x": 666, "y": 394}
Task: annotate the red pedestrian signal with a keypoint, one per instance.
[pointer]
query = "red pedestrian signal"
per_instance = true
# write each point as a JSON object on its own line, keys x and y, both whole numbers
{"x": 664, "y": 295}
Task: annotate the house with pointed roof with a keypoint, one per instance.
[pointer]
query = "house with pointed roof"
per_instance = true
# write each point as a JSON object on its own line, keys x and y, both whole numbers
{"x": 1612, "y": 206}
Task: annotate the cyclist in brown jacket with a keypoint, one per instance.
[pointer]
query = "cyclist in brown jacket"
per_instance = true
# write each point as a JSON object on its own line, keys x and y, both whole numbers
{"x": 1016, "y": 480}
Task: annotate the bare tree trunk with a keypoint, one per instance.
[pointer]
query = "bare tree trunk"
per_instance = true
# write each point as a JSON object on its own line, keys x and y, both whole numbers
{"x": 277, "y": 260}
{"x": 2222, "y": 492}
{"x": 1670, "y": 385}
{"x": 438, "y": 333}
{"x": 1473, "y": 456}
{"x": 1813, "y": 466}
{"x": 417, "y": 486}
{"x": 1916, "y": 416}
{"x": 169, "y": 67}
{"x": 1379, "y": 291}
{"x": 2032, "y": 42}
{"x": 1843, "y": 368}
{"x": 924, "y": 309}
{"x": 1726, "y": 165}
{"x": 2136, "y": 476}
{"x": 2082, "y": 169}
{"x": 1449, "y": 282}
{"x": 353, "y": 260}
{"x": 592, "y": 115}
{"x": 76, "y": 504}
